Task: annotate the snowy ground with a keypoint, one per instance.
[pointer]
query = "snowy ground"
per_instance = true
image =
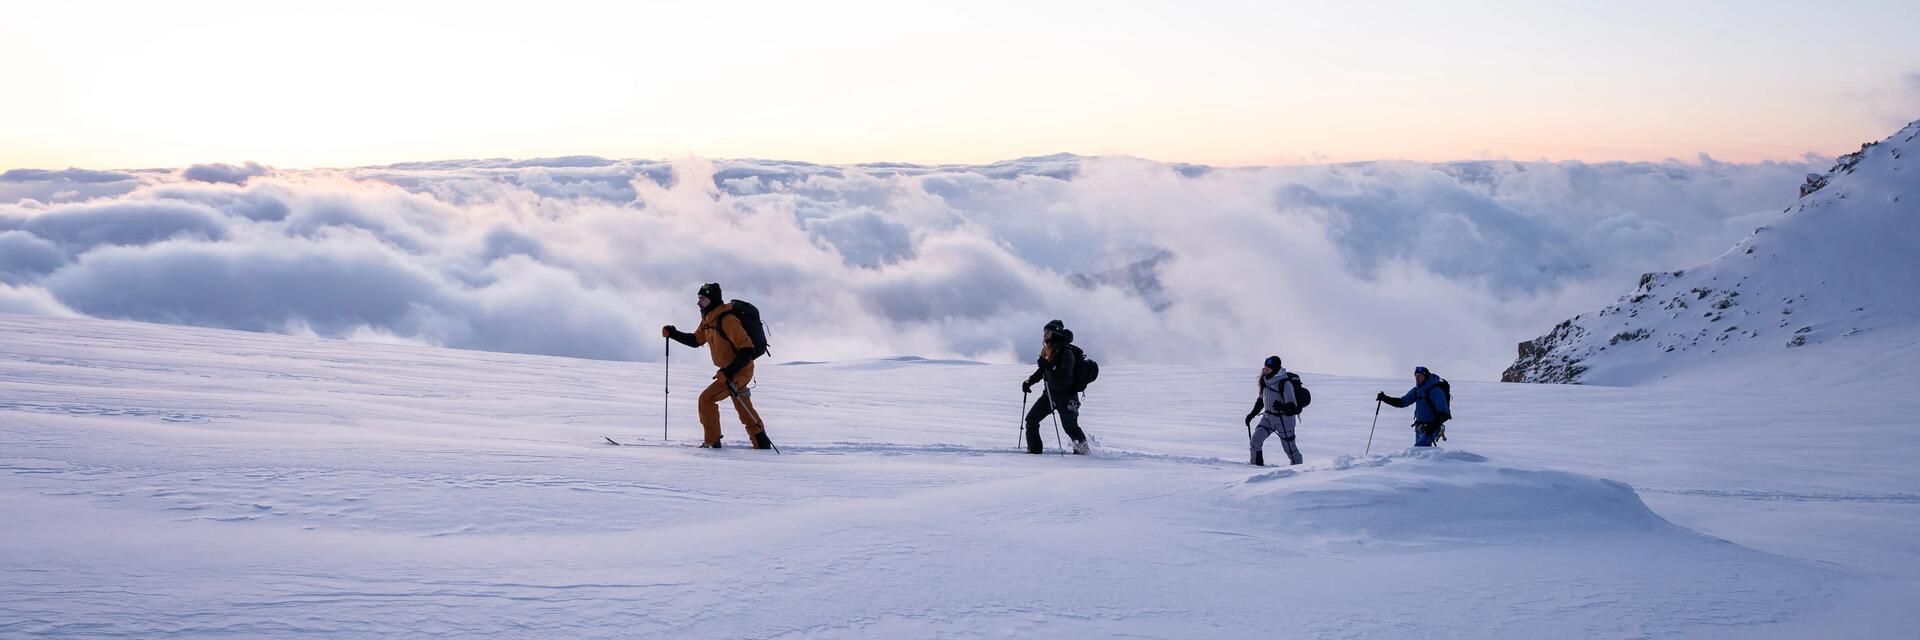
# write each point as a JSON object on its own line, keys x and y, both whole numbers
{"x": 166, "y": 481}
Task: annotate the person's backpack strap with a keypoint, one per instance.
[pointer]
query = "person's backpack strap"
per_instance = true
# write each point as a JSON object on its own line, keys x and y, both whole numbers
{"x": 1299, "y": 394}
{"x": 720, "y": 325}
{"x": 1079, "y": 368}
{"x": 1426, "y": 395}
{"x": 1279, "y": 390}
{"x": 751, "y": 323}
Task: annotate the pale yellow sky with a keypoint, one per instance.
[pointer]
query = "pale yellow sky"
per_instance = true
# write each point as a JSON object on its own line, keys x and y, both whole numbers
{"x": 128, "y": 85}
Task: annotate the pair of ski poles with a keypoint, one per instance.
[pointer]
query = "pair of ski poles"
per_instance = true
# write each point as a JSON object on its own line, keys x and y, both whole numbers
{"x": 666, "y": 405}
{"x": 1020, "y": 436}
{"x": 1376, "y": 425}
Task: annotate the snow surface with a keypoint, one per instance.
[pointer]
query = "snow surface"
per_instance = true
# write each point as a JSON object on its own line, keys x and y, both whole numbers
{"x": 164, "y": 481}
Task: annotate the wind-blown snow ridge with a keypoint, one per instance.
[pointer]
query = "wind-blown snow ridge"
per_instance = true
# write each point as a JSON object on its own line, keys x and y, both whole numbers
{"x": 1829, "y": 288}
{"x": 1437, "y": 498}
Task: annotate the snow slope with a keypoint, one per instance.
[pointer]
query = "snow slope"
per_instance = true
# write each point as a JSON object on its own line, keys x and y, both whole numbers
{"x": 168, "y": 481}
{"x": 1827, "y": 290}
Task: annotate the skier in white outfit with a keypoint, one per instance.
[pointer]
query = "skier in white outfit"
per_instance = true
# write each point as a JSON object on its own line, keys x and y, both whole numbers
{"x": 1278, "y": 410}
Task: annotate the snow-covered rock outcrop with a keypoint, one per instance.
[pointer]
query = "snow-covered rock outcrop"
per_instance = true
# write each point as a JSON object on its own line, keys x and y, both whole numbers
{"x": 1833, "y": 280}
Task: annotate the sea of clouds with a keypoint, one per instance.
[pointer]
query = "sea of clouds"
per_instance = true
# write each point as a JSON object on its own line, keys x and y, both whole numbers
{"x": 1364, "y": 268}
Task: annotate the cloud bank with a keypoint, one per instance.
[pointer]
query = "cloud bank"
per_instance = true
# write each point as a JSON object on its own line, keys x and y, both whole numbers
{"x": 224, "y": 173}
{"x": 1354, "y": 268}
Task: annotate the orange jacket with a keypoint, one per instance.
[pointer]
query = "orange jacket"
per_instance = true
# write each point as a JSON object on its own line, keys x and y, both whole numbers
{"x": 726, "y": 338}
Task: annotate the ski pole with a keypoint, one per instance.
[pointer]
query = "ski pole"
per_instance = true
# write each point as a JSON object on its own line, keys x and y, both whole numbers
{"x": 749, "y": 410}
{"x": 1020, "y": 434}
{"x": 1054, "y": 410}
{"x": 1376, "y": 423}
{"x": 1261, "y": 405}
{"x": 666, "y": 387}
{"x": 1249, "y": 434}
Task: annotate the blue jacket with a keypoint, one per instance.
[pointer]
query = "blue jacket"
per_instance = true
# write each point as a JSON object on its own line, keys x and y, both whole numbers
{"x": 1425, "y": 398}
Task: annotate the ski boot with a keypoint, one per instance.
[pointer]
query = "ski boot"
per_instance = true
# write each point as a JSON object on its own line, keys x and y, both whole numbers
{"x": 1259, "y": 459}
{"x": 711, "y": 445}
{"x": 761, "y": 441}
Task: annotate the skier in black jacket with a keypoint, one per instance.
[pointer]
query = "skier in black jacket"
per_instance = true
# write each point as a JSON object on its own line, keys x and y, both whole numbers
{"x": 1058, "y": 358}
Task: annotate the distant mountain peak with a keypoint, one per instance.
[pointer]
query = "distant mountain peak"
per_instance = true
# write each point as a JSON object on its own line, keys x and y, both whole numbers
{"x": 1837, "y": 267}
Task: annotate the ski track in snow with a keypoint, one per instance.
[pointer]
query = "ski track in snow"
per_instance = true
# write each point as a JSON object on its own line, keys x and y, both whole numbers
{"x": 177, "y": 482}
{"x": 1741, "y": 494}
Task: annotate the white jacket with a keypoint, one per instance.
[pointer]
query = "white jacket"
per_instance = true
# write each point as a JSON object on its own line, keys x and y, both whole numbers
{"x": 1275, "y": 391}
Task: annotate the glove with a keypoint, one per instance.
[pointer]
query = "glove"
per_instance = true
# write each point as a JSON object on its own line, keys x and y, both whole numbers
{"x": 1250, "y": 417}
{"x": 667, "y": 331}
{"x": 1381, "y": 397}
{"x": 1026, "y": 386}
{"x": 1042, "y": 362}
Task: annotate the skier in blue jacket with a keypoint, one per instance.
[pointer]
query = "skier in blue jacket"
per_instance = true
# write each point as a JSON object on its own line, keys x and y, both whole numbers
{"x": 1430, "y": 397}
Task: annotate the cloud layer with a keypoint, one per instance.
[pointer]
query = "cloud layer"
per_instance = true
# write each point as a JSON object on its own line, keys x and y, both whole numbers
{"x": 1357, "y": 268}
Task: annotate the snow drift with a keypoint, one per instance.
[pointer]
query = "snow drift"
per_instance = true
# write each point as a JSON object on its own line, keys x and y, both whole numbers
{"x": 1420, "y": 500}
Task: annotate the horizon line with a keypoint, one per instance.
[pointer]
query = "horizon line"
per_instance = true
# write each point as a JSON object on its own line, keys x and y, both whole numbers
{"x": 1700, "y": 159}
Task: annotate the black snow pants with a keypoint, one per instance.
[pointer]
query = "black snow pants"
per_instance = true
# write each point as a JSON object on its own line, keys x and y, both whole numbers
{"x": 1069, "y": 420}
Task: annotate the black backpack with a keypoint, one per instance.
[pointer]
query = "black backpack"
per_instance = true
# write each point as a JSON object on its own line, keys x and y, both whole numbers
{"x": 749, "y": 320}
{"x": 1084, "y": 373}
{"x": 1301, "y": 396}
{"x": 1445, "y": 388}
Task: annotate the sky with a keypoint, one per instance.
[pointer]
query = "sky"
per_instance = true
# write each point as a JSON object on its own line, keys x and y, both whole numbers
{"x": 227, "y": 165}
{"x": 122, "y": 85}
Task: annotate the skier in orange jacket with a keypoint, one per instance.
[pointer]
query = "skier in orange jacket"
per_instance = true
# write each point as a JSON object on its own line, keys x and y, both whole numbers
{"x": 733, "y": 351}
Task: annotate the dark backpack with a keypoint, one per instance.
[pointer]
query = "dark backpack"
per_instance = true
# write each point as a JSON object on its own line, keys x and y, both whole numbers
{"x": 1301, "y": 396}
{"x": 1445, "y": 388}
{"x": 1084, "y": 373}
{"x": 749, "y": 320}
